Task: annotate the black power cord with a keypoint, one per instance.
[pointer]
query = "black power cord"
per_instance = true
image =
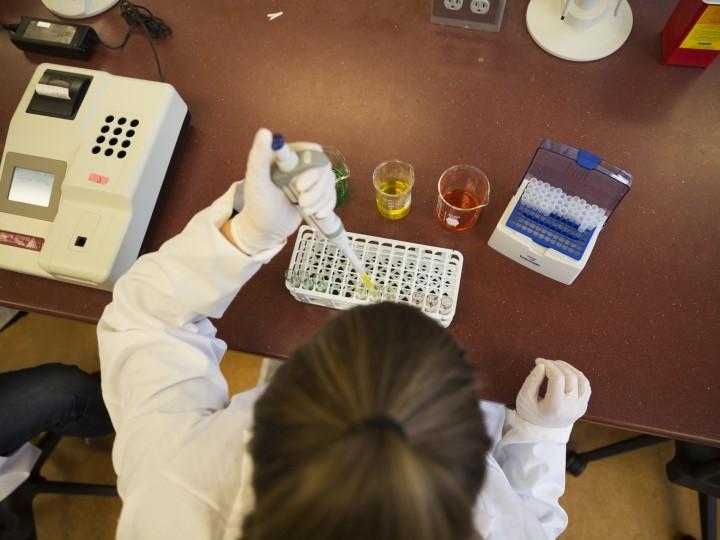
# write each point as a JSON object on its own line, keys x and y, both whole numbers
{"x": 136, "y": 16}
{"x": 154, "y": 27}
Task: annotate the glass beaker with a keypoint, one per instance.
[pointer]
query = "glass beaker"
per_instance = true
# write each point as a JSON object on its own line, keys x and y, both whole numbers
{"x": 393, "y": 181}
{"x": 463, "y": 190}
{"x": 342, "y": 173}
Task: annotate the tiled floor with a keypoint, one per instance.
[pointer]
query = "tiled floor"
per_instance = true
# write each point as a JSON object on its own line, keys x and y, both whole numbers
{"x": 626, "y": 497}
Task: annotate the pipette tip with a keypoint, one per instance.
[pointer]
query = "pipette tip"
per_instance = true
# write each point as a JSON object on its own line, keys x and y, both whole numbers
{"x": 367, "y": 281}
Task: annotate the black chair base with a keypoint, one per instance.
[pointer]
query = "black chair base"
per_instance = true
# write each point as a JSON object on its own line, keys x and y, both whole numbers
{"x": 17, "y": 520}
{"x": 576, "y": 462}
{"x": 694, "y": 466}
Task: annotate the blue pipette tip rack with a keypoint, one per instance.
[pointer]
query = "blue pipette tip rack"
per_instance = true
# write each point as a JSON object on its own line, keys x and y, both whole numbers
{"x": 555, "y": 216}
{"x": 564, "y": 171}
{"x": 550, "y": 231}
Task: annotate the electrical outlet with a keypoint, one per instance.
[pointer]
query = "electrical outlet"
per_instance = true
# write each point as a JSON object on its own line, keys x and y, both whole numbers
{"x": 453, "y": 5}
{"x": 476, "y": 14}
{"x": 480, "y": 7}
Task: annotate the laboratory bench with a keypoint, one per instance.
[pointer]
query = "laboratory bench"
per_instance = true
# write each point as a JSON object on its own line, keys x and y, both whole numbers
{"x": 379, "y": 81}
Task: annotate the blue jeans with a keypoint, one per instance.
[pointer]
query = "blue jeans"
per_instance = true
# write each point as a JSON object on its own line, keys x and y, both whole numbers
{"x": 52, "y": 397}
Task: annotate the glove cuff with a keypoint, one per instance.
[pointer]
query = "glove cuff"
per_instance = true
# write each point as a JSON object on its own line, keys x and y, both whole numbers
{"x": 260, "y": 246}
{"x": 534, "y": 432}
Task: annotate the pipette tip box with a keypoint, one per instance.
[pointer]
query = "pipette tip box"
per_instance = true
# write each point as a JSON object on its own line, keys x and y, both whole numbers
{"x": 426, "y": 277}
{"x": 557, "y": 212}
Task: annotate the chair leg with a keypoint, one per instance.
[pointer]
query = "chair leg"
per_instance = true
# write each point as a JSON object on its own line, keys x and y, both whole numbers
{"x": 46, "y": 444}
{"x": 708, "y": 516}
{"x": 41, "y": 485}
{"x": 8, "y": 317}
{"x": 17, "y": 521}
{"x": 576, "y": 462}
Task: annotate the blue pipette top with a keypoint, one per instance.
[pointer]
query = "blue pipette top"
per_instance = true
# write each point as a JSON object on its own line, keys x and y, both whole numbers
{"x": 278, "y": 141}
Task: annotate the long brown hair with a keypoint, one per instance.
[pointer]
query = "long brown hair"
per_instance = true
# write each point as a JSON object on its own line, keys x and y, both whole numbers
{"x": 320, "y": 473}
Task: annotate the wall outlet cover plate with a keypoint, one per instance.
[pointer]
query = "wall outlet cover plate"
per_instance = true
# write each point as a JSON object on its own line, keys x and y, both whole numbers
{"x": 471, "y": 14}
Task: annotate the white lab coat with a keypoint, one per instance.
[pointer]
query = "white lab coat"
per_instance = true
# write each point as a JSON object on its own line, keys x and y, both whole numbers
{"x": 180, "y": 452}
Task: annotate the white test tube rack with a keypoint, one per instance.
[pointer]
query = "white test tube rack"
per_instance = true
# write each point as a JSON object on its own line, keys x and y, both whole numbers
{"x": 424, "y": 276}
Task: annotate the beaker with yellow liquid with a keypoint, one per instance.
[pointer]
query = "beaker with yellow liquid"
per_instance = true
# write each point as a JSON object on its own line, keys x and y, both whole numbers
{"x": 393, "y": 181}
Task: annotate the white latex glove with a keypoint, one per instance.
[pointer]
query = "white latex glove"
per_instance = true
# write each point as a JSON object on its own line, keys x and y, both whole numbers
{"x": 267, "y": 217}
{"x": 566, "y": 398}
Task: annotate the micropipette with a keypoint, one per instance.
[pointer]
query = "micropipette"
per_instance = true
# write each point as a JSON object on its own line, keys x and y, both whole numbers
{"x": 288, "y": 165}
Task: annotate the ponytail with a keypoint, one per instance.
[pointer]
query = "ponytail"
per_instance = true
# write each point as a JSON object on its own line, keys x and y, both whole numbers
{"x": 370, "y": 431}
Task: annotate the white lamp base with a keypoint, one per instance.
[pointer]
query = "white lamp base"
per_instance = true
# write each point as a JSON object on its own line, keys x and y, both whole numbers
{"x": 592, "y": 29}
{"x": 78, "y": 9}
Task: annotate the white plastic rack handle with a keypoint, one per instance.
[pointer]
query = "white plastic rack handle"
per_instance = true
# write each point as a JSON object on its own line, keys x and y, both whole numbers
{"x": 424, "y": 276}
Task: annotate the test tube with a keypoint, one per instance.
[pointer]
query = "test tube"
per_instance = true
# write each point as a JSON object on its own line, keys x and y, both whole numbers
{"x": 389, "y": 293}
{"x": 375, "y": 294}
{"x": 321, "y": 285}
{"x": 418, "y": 298}
{"x": 361, "y": 293}
{"x": 445, "y": 305}
{"x": 431, "y": 302}
{"x": 307, "y": 282}
{"x": 293, "y": 277}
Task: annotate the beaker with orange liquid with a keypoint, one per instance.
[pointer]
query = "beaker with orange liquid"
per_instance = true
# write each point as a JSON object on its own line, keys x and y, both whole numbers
{"x": 463, "y": 190}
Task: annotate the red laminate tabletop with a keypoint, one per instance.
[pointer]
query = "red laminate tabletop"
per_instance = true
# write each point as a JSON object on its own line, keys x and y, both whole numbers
{"x": 379, "y": 81}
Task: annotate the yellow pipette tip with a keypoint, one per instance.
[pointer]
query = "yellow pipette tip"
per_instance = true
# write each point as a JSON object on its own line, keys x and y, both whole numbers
{"x": 367, "y": 281}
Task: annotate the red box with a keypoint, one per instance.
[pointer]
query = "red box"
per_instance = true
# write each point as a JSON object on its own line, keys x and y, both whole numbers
{"x": 691, "y": 36}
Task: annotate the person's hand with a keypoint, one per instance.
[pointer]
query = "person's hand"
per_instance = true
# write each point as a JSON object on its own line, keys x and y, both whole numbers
{"x": 267, "y": 217}
{"x": 566, "y": 398}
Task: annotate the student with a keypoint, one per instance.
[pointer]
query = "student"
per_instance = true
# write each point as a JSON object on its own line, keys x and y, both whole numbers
{"x": 372, "y": 430}
{"x": 58, "y": 398}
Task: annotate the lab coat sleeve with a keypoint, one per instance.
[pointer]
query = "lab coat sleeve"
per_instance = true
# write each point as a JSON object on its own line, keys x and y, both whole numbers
{"x": 159, "y": 356}
{"x": 533, "y": 461}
